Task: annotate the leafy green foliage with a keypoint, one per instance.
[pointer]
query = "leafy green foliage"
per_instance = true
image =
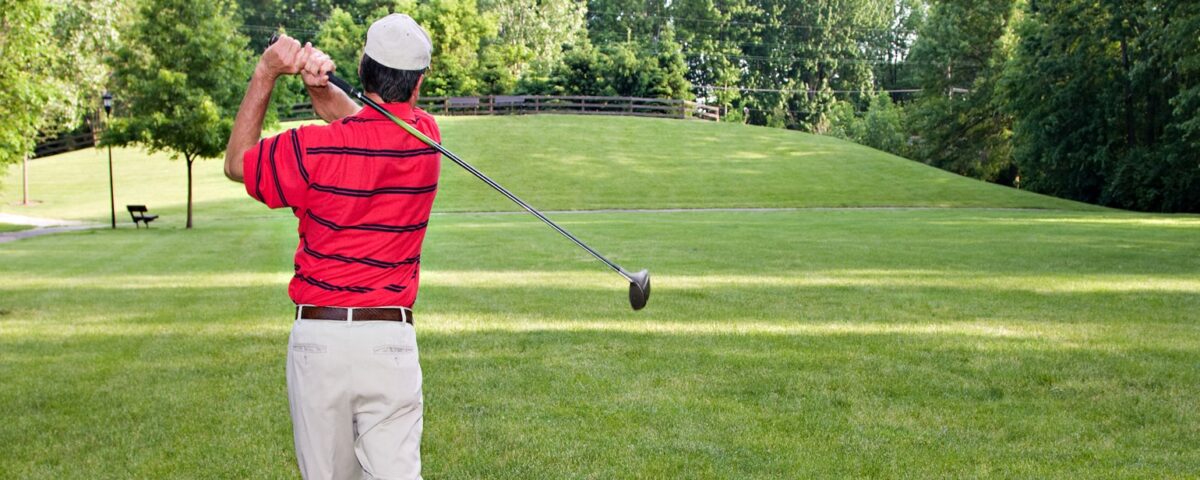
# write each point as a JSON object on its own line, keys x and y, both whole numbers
{"x": 26, "y": 47}
{"x": 181, "y": 75}
{"x": 458, "y": 31}
{"x": 52, "y": 73}
{"x": 959, "y": 117}
{"x": 530, "y": 39}
{"x": 889, "y": 42}
{"x": 343, "y": 38}
{"x": 619, "y": 69}
{"x": 881, "y": 126}
{"x": 1104, "y": 95}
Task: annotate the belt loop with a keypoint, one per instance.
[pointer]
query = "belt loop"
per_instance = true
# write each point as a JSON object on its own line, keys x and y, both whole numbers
{"x": 349, "y": 315}
{"x": 299, "y": 312}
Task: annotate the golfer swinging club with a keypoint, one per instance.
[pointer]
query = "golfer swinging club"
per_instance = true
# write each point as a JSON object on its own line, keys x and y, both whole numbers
{"x": 362, "y": 191}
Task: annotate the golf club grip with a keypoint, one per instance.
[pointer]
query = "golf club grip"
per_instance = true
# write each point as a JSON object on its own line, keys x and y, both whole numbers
{"x": 334, "y": 79}
{"x": 342, "y": 84}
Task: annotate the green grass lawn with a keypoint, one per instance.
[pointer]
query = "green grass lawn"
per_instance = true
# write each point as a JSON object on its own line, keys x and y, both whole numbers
{"x": 1011, "y": 336}
{"x": 8, "y": 227}
{"x": 558, "y": 162}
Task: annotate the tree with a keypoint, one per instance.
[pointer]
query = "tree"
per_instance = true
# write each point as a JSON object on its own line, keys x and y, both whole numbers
{"x": 960, "y": 117}
{"x": 459, "y": 32}
{"x": 622, "y": 68}
{"x": 889, "y": 40}
{"x": 181, "y": 74}
{"x": 343, "y": 38}
{"x": 1105, "y": 99}
{"x": 880, "y": 127}
{"x": 261, "y": 18}
{"x": 530, "y": 39}
{"x": 53, "y": 71}
{"x": 26, "y": 47}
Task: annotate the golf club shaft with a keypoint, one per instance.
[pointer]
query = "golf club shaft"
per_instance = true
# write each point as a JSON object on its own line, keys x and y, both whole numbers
{"x": 350, "y": 90}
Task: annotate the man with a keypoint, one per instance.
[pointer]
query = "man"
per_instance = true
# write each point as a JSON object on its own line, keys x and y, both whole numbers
{"x": 362, "y": 189}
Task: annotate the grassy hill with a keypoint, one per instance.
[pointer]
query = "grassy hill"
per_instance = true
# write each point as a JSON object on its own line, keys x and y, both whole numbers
{"x": 1010, "y": 335}
{"x": 559, "y": 162}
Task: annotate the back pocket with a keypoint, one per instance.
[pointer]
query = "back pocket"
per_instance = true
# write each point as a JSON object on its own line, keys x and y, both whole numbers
{"x": 393, "y": 349}
{"x": 308, "y": 348}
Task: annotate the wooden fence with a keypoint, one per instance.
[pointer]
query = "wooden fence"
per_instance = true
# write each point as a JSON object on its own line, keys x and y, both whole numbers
{"x": 81, "y": 138}
{"x": 535, "y": 104}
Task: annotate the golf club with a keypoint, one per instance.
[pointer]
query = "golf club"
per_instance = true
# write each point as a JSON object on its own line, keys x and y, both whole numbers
{"x": 639, "y": 283}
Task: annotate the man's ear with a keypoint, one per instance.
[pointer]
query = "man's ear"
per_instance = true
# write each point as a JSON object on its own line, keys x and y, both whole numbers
{"x": 416, "y": 93}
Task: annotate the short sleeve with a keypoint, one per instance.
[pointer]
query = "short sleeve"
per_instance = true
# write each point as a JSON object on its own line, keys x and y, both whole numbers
{"x": 274, "y": 170}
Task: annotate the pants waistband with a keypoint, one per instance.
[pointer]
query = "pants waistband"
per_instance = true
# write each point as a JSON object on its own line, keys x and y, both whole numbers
{"x": 389, "y": 314}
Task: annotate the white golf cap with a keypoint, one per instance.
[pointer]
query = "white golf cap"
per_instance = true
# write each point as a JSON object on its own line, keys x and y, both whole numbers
{"x": 396, "y": 41}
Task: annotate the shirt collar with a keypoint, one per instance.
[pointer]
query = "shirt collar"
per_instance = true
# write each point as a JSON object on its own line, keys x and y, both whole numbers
{"x": 402, "y": 110}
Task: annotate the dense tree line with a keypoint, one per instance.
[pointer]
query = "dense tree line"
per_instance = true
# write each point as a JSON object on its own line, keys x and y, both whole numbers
{"x": 1106, "y": 101}
{"x": 1092, "y": 100}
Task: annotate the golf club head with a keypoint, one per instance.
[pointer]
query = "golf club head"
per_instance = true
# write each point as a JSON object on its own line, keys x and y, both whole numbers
{"x": 639, "y": 289}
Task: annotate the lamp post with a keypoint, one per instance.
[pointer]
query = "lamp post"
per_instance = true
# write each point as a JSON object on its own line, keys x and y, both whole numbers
{"x": 112, "y": 199}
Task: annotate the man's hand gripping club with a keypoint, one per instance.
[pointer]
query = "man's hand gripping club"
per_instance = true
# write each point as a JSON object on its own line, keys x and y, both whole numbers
{"x": 286, "y": 56}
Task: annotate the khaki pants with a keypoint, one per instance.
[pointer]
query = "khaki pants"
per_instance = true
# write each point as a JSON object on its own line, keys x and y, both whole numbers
{"x": 354, "y": 389}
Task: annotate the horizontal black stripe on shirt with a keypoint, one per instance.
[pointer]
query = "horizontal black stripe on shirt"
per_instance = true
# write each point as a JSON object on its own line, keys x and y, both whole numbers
{"x": 333, "y": 288}
{"x": 361, "y": 120}
{"x": 351, "y": 192}
{"x": 363, "y": 260}
{"x": 395, "y": 288}
{"x": 370, "y": 152}
{"x": 374, "y": 227}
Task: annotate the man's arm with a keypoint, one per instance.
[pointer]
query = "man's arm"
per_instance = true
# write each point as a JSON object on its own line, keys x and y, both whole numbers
{"x": 284, "y": 57}
{"x": 330, "y": 102}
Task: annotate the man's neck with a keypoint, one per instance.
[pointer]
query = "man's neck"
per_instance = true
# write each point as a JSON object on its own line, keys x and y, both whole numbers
{"x": 412, "y": 101}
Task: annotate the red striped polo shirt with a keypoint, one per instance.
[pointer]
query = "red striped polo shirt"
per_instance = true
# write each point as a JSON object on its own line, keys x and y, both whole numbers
{"x": 362, "y": 188}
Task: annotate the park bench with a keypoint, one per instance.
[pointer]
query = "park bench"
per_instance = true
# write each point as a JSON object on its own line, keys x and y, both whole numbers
{"x": 138, "y": 212}
{"x": 507, "y": 103}
{"x": 463, "y": 103}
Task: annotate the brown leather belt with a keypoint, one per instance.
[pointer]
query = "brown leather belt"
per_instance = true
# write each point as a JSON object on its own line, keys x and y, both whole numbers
{"x": 390, "y": 314}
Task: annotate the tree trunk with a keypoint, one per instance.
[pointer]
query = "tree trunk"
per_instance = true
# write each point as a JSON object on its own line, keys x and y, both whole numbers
{"x": 1130, "y": 135}
{"x": 189, "y": 208}
{"x": 25, "y": 179}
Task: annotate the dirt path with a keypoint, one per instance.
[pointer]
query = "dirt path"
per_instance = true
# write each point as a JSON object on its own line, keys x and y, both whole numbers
{"x": 41, "y": 226}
